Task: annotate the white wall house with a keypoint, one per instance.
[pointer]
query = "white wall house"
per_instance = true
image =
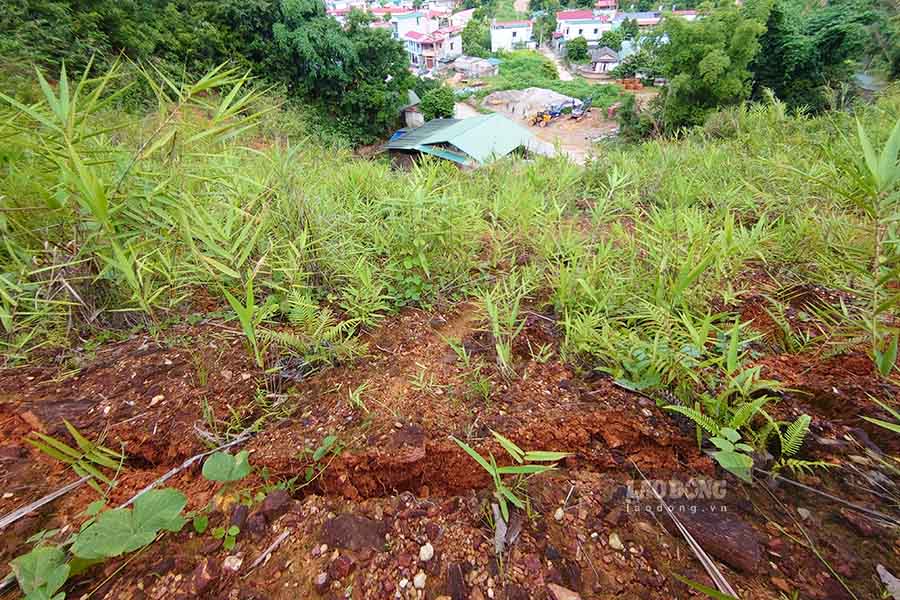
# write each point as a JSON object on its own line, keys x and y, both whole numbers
{"x": 589, "y": 24}
{"x": 511, "y": 35}
{"x": 427, "y": 50}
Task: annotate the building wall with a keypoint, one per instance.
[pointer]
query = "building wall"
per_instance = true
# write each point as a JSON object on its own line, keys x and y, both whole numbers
{"x": 589, "y": 30}
{"x": 508, "y": 38}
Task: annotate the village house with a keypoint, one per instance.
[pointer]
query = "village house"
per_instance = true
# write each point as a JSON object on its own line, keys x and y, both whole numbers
{"x": 462, "y": 18}
{"x": 589, "y": 24}
{"x": 604, "y": 60}
{"x": 510, "y": 35}
{"x": 429, "y": 50}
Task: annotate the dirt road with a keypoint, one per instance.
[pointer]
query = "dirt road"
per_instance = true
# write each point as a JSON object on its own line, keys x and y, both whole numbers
{"x": 564, "y": 74}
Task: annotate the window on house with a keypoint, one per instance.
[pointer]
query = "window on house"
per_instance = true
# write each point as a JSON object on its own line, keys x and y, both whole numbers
{"x": 579, "y": 31}
{"x": 514, "y": 34}
{"x": 451, "y": 45}
{"x": 595, "y": 31}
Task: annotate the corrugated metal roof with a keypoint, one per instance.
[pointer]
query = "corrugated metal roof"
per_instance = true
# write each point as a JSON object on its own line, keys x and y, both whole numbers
{"x": 481, "y": 138}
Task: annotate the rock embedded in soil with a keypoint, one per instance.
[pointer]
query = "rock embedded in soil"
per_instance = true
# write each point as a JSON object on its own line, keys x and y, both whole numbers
{"x": 726, "y": 537}
{"x": 205, "y": 573}
{"x": 426, "y": 552}
{"x": 321, "y": 581}
{"x": 340, "y": 567}
{"x": 615, "y": 543}
{"x": 419, "y": 580}
{"x": 275, "y": 505}
{"x": 353, "y": 532}
{"x": 239, "y": 516}
{"x": 558, "y": 592}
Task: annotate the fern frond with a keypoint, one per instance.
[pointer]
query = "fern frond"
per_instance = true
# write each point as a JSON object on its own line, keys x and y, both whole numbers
{"x": 792, "y": 441}
{"x": 805, "y": 467}
{"x": 746, "y": 411}
{"x": 700, "y": 420}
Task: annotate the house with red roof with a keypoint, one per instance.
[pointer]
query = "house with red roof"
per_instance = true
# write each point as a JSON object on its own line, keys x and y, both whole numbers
{"x": 428, "y": 50}
{"x": 586, "y": 23}
{"x": 511, "y": 35}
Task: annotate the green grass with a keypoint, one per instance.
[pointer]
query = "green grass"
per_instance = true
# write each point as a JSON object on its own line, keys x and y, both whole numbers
{"x": 521, "y": 69}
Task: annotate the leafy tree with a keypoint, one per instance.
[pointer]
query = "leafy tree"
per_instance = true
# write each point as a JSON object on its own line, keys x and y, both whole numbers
{"x": 802, "y": 56}
{"x": 438, "y": 103}
{"x": 577, "y": 49}
{"x": 707, "y": 63}
{"x": 476, "y": 38}
{"x": 640, "y": 64}
{"x": 629, "y": 29}
{"x": 612, "y": 39}
{"x": 544, "y": 26}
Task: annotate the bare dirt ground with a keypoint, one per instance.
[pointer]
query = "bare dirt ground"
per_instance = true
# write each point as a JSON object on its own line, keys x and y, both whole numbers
{"x": 401, "y": 484}
{"x": 572, "y": 138}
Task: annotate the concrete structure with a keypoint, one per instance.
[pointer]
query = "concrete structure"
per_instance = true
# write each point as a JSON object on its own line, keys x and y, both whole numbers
{"x": 472, "y": 67}
{"x": 511, "y": 35}
{"x": 462, "y": 18}
{"x": 427, "y": 50}
{"x": 468, "y": 143}
{"x": 604, "y": 60}
{"x": 589, "y": 24}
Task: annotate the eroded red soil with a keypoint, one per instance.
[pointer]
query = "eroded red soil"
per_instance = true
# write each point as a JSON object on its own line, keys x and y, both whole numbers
{"x": 401, "y": 482}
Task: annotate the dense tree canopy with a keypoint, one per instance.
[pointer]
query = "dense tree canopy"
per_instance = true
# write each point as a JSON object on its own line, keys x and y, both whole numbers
{"x": 708, "y": 64}
{"x": 357, "y": 74}
{"x": 802, "y": 55}
{"x": 438, "y": 103}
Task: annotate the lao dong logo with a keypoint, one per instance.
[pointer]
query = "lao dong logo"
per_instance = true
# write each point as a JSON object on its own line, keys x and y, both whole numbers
{"x": 693, "y": 495}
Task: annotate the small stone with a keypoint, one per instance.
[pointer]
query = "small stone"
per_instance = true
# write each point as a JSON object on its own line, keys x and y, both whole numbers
{"x": 275, "y": 505}
{"x": 204, "y": 575}
{"x": 239, "y": 516}
{"x": 419, "y": 580}
{"x": 7, "y": 495}
{"x": 559, "y": 514}
{"x": 558, "y": 592}
{"x": 233, "y": 563}
{"x": 781, "y": 584}
{"x": 340, "y": 567}
{"x": 615, "y": 543}
{"x": 156, "y": 399}
{"x": 804, "y": 513}
{"x": 403, "y": 583}
{"x": 426, "y": 552}
{"x": 227, "y": 375}
{"x": 256, "y": 525}
{"x": 321, "y": 580}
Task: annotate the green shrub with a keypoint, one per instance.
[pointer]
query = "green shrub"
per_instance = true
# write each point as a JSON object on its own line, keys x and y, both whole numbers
{"x": 438, "y": 103}
{"x": 577, "y": 49}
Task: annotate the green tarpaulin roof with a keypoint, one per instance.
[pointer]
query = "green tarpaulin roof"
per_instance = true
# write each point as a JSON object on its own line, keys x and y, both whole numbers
{"x": 480, "y": 138}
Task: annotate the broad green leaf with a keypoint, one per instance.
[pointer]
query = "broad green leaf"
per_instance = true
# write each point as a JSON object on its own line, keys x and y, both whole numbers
{"x": 735, "y": 462}
{"x": 42, "y": 571}
{"x": 122, "y": 530}
{"x": 222, "y": 466}
{"x": 160, "y": 509}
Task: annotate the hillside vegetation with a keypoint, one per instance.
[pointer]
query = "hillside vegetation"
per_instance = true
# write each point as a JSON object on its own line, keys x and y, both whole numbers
{"x": 578, "y": 305}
